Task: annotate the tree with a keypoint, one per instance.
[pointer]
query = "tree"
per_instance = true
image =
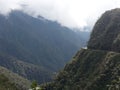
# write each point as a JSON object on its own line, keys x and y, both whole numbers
{"x": 34, "y": 85}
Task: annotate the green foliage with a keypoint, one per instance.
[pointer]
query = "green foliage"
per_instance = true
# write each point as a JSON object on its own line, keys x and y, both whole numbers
{"x": 6, "y": 84}
{"x": 27, "y": 70}
{"x": 90, "y": 70}
{"x": 115, "y": 84}
{"x": 14, "y": 80}
{"x": 34, "y": 84}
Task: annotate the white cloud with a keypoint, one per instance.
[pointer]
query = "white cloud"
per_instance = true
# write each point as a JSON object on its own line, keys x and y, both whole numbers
{"x": 70, "y": 13}
{"x": 7, "y": 5}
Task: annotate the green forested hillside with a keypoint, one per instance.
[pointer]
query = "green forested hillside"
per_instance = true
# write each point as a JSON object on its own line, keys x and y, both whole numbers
{"x": 89, "y": 70}
{"x": 12, "y": 81}
{"x": 5, "y": 84}
{"x": 98, "y": 67}
{"x": 27, "y": 70}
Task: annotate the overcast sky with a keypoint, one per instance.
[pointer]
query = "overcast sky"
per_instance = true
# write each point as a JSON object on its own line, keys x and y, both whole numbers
{"x": 70, "y": 13}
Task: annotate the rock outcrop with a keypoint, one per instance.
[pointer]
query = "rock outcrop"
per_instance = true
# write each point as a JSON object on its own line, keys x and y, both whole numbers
{"x": 106, "y": 32}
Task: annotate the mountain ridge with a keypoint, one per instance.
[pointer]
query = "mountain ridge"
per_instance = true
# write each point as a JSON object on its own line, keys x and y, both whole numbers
{"x": 36, "y": 49}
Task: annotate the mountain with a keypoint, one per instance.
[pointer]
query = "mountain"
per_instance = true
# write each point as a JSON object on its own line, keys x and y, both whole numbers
{"x": 12, "y": 81}
{"x": 35, "y": 48}
{"x": 24, "y": 69}
{"x": 98, "y": 67}
{"x": 102, "y": 36}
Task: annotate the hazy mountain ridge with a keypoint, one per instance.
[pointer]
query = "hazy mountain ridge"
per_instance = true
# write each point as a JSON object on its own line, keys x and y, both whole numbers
{"x": 34, "y": 48}
{"x": 34, "y": 39}
{"x": 98, "y": 67}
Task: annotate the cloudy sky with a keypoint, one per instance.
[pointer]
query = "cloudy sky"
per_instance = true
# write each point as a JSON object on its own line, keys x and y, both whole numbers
{"x": 70, "y": 13}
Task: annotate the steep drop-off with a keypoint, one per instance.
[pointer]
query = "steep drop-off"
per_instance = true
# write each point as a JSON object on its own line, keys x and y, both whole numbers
{"x": 98, "y": 67}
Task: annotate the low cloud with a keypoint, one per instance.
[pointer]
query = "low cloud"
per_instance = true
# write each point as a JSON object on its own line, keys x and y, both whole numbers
{"x": 6, "y": 6}
{"x": 69, "y": 13}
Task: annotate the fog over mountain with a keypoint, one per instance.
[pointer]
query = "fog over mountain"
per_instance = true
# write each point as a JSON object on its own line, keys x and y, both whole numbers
{"x": 40, "y": 39}
{"x": 36, "y": 48}
{"x": 69, "y": 13}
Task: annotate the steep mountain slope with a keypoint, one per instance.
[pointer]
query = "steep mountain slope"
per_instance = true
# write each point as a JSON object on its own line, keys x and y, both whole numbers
{"x": 102, "y": 36}
{"x": 5, "y": 84}
{"x": 98, "y": 67}
{"x": 89, "y": 70}
{"x": 37, "y": 41}
{"x": 27, "y": 70}
{"x": 35, "y": 48}
{"x": 11, "y": 81}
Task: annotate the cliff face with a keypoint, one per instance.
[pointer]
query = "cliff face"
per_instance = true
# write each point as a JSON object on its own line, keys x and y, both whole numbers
{"x": 106, "y": 32}
{"x": 98, "y": 67}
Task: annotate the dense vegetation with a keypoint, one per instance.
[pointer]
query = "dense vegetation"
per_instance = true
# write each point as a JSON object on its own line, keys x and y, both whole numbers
{"x": 84, "y": 70}
{"x": 27, "y": 70}
{"x": 12, "y": 81}
{"x": 98, "y": 67}
{"x": 5, "y": 84}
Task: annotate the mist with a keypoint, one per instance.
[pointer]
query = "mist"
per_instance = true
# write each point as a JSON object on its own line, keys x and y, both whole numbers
{"x": 69, "y": 13}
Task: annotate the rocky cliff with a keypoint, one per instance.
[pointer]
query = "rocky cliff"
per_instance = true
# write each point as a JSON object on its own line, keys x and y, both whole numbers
{"x": 106, "y": 32}
{"x": 98, "y": 67}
